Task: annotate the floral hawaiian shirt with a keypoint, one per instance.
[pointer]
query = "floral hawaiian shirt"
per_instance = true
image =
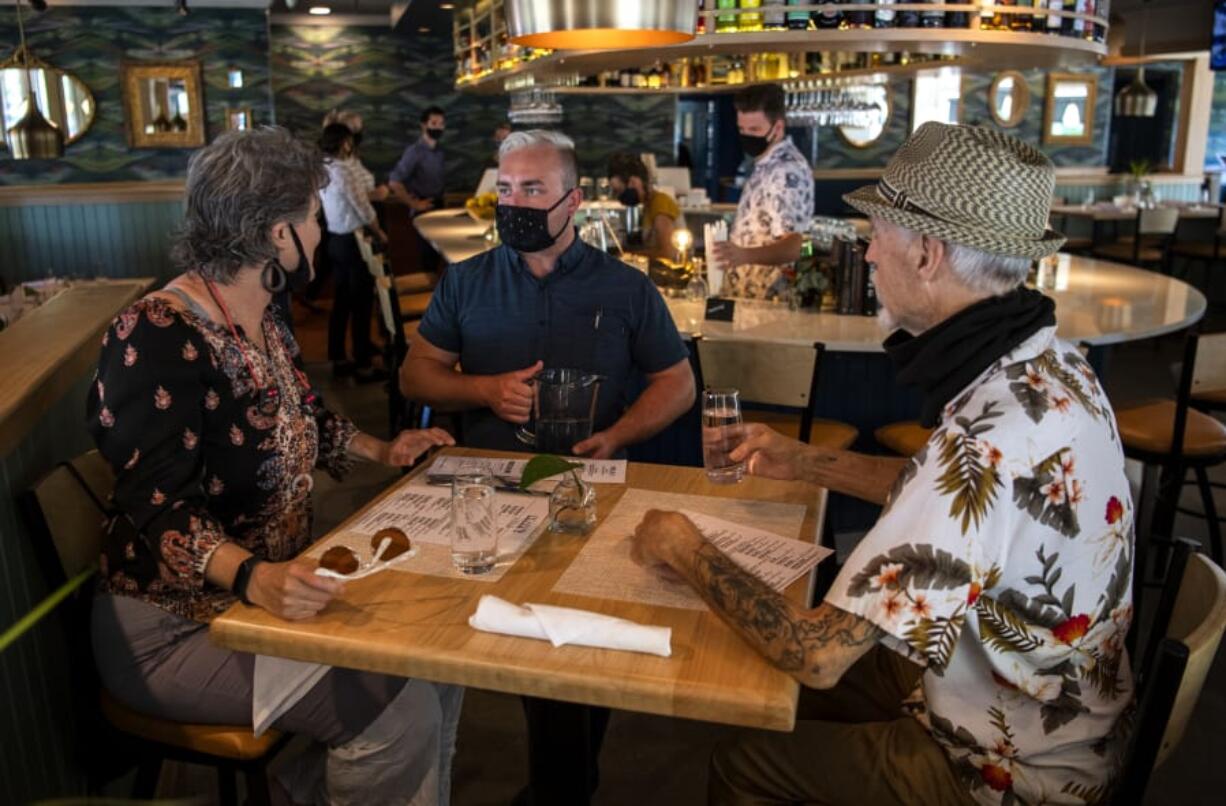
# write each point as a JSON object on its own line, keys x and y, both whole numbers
{"x": 1003, "y": 565}
{"x": 776, "y": 201}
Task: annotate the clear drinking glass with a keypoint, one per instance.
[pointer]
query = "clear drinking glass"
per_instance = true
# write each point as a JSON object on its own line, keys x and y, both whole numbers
{"x": 474, "y": 522}
{"x": 721, "y": 432}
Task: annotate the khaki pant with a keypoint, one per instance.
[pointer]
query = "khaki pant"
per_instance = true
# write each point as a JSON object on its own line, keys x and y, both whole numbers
{"x": 851, "y": 745}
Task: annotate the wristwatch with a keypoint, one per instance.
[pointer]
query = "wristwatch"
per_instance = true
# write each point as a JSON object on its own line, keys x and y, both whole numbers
{"x": 243, "y": 576}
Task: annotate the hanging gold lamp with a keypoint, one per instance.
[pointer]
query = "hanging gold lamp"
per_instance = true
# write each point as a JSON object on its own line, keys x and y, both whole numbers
{"x": 33, "y": 137}
{"x": 600, "y": 24}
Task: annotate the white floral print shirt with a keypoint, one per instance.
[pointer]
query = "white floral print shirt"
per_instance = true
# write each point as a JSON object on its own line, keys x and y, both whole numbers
{"x": 1003, "y": 565}
{"x": 777, "y": 200}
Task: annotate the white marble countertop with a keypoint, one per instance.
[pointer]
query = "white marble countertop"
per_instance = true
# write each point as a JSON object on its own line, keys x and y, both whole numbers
{"x": 1100, "y": 302}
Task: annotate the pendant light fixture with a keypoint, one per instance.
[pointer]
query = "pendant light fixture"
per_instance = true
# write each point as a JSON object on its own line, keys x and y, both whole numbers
{"x": 599, "y": 24}
{"x": 33, "y": 137}
{"x": 1138, "y": 100}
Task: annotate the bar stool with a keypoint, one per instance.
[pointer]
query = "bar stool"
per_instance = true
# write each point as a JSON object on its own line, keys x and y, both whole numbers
{"x": 1207, "y": 252}
{"x": 66, "y": 508}
{"x": 788, "y": 380}
{"x": 1150, "y": 243}
{"x": 904, "y": 438}
{"x": 1172, "y": 437}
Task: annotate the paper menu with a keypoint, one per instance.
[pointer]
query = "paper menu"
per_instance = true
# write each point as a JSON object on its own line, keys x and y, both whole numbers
{"x": 602, "y": 471}
{"x": 778, "y": 561}
{"x": 604, "y": 569}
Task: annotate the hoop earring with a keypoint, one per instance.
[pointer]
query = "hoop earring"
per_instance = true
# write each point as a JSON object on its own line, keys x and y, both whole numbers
{"x": 273, "y": 277}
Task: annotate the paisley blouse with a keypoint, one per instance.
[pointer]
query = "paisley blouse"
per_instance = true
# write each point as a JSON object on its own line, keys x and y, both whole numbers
{"x": 206, "y": 448}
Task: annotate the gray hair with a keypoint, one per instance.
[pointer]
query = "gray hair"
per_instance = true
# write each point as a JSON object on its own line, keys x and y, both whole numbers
{"x": 986, "y": 272}
{"x": 238, "y": 187}
{"x": 544, "y": 137}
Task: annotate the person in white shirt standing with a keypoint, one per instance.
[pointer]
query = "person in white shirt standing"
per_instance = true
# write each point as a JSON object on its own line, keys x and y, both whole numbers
{"x": 347, "y": 208}
{"x": 776, "y": 204}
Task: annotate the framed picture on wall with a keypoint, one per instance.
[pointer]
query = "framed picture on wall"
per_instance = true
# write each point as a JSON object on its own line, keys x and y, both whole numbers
{"x": 164, "y": 103}
{"x": 239, "y": 119}
{"x": 936, "y": 95}
{"x": 1068, "y": 113}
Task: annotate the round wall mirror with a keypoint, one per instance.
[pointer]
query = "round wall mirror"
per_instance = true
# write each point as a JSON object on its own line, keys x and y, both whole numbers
{"x": 62, "y": 98}
{"x": 1008, "y": 99}
{"x": 873, "y": 115}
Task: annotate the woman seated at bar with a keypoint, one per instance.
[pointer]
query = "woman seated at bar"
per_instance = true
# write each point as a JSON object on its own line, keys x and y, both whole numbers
{"x": 201, "y": 407}
{"x": 629, "y": 180}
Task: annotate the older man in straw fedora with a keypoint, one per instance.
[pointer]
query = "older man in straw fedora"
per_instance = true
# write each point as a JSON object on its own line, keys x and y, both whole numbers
{"x": 972, "y": 644}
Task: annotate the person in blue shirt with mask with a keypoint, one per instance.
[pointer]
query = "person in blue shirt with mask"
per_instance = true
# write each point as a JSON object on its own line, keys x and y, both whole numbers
{"x": 546, "y": 299}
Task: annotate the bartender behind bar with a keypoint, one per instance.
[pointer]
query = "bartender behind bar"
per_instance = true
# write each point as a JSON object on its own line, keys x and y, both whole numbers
{"x": 776, "y": 204}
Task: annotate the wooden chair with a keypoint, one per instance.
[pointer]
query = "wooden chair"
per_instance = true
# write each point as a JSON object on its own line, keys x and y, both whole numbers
{"x": 67, "y": 508}
{"x": 1169, "y": 438}
{"x": 904, "y": 438}
{"x": 1209, "y": 375}
{"x": 789, "y": 380}
{"x": 1150, "y": 243}
{"x": 1187, "y": 631}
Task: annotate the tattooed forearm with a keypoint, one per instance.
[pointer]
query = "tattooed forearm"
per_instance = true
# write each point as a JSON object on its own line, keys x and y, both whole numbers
{"x": 815, "y": 647}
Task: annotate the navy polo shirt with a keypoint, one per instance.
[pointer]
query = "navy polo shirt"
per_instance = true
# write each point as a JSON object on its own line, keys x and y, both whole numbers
{"x": 420, "y": 170}
{"x": 592, "y": 312}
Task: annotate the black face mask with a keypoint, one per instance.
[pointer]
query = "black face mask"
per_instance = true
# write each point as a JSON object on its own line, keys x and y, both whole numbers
{"x": 526, "y": 229}
{"x": 434, "y": 134}
{"x": 357, "y": 139}
{"x": 276, "y": 279}
{"x": 754, "y": 144}
{"x": 629, "y": 197}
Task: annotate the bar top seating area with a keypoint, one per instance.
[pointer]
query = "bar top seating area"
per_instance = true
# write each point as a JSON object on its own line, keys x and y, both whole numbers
{"x": 565, "y": 402}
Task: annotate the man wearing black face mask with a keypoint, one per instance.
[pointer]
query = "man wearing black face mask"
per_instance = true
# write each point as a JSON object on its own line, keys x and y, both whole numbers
{"x": 546, "y": 299}
{"x": 417, "y": 180}
{"x": 631, "y": 185}
{"x": 776, "y": 204}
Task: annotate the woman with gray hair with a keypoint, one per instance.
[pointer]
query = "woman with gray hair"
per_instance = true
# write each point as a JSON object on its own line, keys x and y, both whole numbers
{"x": 201, "y": 406}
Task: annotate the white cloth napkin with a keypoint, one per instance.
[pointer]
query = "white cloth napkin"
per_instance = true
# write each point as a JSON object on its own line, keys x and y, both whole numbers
{"x": 278, "y": 686}
{"x": 564, "y": 625}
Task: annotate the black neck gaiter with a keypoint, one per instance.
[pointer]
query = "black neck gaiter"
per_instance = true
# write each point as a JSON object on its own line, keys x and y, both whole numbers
{"x": 941, "y": 361}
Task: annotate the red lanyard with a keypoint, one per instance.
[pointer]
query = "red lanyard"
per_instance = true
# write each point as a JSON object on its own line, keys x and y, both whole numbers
{"x": 298, "y": 374}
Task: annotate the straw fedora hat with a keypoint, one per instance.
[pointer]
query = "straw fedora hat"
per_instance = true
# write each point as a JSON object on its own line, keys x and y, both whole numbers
{"x": 970, "y": 186}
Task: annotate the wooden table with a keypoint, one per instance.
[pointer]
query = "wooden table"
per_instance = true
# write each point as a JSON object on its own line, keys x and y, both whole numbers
{"x": 1105, "y": 211}
{"x": 417, "y": 626}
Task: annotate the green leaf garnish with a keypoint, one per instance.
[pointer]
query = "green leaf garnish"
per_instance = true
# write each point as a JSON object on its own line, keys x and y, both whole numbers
{"x": 543, "y": 466}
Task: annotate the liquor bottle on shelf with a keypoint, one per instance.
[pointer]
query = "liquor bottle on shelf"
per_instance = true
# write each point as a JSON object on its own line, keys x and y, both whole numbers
{"x": 1104, "y": 11}
{"x": 1087, "y": 26}
{"x": 701, "y": 26}
{"x": 798, "y": 20}
{"x": 857, "y": 19}
{"x": 908, "y": 19}
{"x": 751, "y": 21}
{"x": 884, "y": 17}
{"x": 1074, "y": 26}
{"x": 772, "y": 16}
{"x": 957, "y": 19}
{"x": 1054, "y": 23}
{"x": 828, "y": 17}
{"x": 1021, "y": 22}
{"x": 932, "y": 18}
{"x": 725, "y": 23}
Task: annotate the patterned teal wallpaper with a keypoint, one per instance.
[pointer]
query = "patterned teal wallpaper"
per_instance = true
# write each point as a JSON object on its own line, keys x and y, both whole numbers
{"x": 389, "y": 77}
{"x": 92, "y": 43}
{"x": 833, "y": 152}
{"x": 1217, "y": 124}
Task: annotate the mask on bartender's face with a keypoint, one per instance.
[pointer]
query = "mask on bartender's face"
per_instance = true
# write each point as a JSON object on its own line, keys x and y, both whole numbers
{"x": 357, "y": 139}
{"x": 629, "y": 197}
{"x": 526, "y": 229}
{"x": 754, "y": 144}
{"x": 435, "y": 134}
